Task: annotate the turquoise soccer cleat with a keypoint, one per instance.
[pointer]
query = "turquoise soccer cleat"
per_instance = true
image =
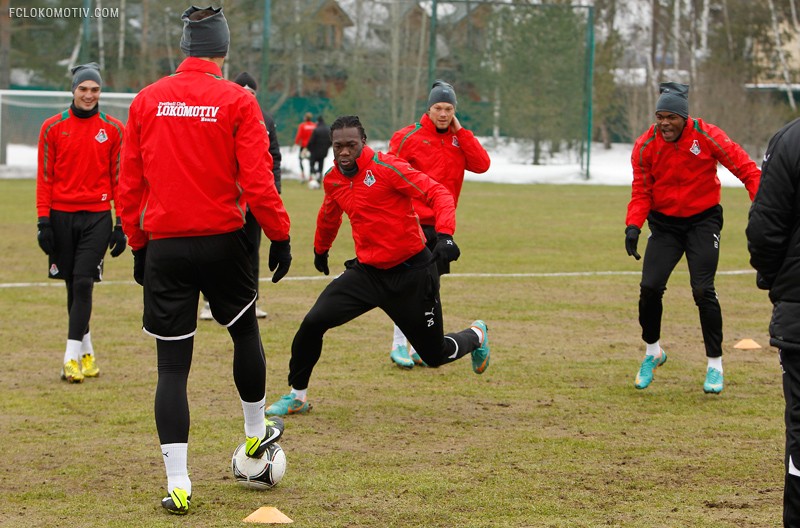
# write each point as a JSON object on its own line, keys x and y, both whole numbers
{"x": 650, "y": 363}
{"x": 401, "y": 358}
{"x": 287, "y": 404}
{"x": 714, "y": 382}
{"x": 480, "y": 356}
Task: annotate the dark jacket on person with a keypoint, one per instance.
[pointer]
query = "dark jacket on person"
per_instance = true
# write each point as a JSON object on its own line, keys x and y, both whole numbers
{"x": 274, "y": 149}
{"x": 320, "y": 141}
{"x": 773, "y": 235}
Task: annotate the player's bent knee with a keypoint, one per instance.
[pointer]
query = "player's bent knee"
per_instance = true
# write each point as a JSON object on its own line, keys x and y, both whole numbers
{"x": 432, "y": 359}
{"x": 82, "y": 286}
{"x": 704, "y": 295}
{"x": 648, "y": 293}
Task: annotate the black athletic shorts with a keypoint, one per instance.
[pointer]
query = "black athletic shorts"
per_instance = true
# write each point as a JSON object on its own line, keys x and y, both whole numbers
{"x": 178, "y": 269}
{"x": 81, "y": 244}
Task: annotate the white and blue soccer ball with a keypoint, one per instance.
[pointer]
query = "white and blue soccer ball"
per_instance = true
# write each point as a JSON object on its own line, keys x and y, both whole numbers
{"x": 259, "y": 473}
{"x": 313, "y": 184}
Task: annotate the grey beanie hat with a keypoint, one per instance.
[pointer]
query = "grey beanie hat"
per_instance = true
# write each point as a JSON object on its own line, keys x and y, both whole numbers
{"x": 441, "y": 92}
{"x": 674, "y": 98}
{"x": 208, "y": 37}
{"x": 86, "y": 72}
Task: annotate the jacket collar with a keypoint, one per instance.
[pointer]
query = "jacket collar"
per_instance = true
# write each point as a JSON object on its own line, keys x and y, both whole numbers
{"x": 194, "y": 64}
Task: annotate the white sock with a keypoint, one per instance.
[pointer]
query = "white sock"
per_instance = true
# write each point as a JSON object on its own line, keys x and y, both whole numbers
{"x": 399, "y": 338}
{"x": 175, "y": 463}
{"x": 715, "y": 362}
{"x": 478, "y": 332}
{"x": 299, "y": 394}
{"x": 86, "y": 344}
{"x": 254, "y": 418}
{"x": 73, "y": 351}
{"x": 653, "y": 349}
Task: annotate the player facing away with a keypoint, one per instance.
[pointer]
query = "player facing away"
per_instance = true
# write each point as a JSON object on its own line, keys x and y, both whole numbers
{"x": 393, "y": 269}
{"x": 774, "y": 249}
{"x": 76, "y": 182}
{"x": 443, "y": 149}
{"x": 676, "y": 189}
{"x": 197, "y": 153}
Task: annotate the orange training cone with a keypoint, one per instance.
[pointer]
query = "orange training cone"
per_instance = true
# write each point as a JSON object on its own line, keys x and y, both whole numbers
{"x": 747, "y": 344}
{"x": 268, "y": 515}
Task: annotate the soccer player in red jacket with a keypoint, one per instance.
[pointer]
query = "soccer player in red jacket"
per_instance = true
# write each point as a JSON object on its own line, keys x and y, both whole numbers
{"x": 196, "y": 156}
{"x": 393, "y": 269}
{"x": 676, "y": 189}
{"x": 441, "y": 148}
{"x": 76, "y": 182}
{"x": 304, "y": 131}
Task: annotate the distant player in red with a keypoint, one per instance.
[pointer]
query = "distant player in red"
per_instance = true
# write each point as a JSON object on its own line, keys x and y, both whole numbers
{"x": 304, "y": 131}
{"x": 77, "y": 178}
{"x": 443, "y": 149}
{"x": 676, "y": 190}
{"x": 393, "y": 269}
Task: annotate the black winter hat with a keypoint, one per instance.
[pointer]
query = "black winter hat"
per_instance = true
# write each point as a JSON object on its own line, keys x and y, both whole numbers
{"x": 441, "y": 92}
{"x": 245, "y": 79}
{"x": 209, "y": 37}
{"x": 86, "y": 72}
{"x": 674, "y": 98}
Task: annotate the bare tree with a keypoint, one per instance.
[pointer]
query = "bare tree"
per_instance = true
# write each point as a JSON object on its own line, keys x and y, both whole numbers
{"x": 101, "y": 40}
{"x": 123, "y": 24}
{"x": 394, "y": 64}
{"x": 5, "y": 71}
{"x": 776, "y": 33}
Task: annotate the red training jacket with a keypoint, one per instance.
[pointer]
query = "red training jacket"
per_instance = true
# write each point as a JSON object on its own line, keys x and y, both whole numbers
{"x": 79, "y": 161}
{"x": 680, "y": 178}
{"x": 443, "y": 157}
{"x": 378, "y": 201}
{"x": 304, "y": 131}
{"x": 196, "y": 151}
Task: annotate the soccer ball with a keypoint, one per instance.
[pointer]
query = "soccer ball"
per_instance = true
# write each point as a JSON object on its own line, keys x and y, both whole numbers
{"x": 259, "y": 473}
{"x": 313, "y": 184}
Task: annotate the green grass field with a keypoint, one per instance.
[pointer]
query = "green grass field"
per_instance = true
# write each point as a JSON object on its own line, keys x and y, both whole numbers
{"x": 552, "y": 435}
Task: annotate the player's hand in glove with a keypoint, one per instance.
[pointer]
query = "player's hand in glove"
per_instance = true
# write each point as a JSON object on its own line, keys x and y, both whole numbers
{"x": 446, "y": 248}
{"x": 632, "y": 240}
{"x": 762, "y": 283}
{"x": 139, "y": 258}
{"x": 45, "y": 236}
{"x": 321, "y": 262}
{"x": 280, "y": 258}
{"x": 118, "y": 240}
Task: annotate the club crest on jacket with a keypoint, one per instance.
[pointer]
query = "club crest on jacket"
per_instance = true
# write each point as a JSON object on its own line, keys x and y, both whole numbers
{"x": 369, "y": 180}
{"x": 695, "y": 148}
{"x": 101, "y": 136}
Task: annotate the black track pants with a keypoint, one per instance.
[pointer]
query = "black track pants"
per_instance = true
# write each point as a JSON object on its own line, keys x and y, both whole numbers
{"x": 408, "y": 294}
{"x": 790, "y": 363}
{"x": 700, "y": 241}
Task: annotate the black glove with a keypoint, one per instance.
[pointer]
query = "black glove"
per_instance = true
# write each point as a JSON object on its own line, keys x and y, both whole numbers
{"x": 445, "y": 249}
{"x": 280, "y": 257}
{"x": 45, "y": 236}
{"x": 321, "y": 262}
{"x": 139, "y": 258}
{"x": 762, "y": 283}
{"x": 632, "y": 240}
{"x": 118, "y": 240}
